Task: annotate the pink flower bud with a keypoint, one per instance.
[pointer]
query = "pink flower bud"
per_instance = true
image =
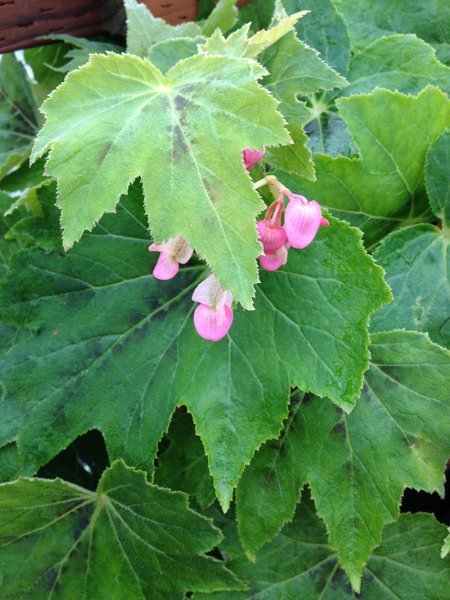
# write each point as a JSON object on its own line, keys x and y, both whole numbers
{"x": 251, "y": 157}
{"x": 174, "y": 252}
{"x": 302, "y": 221}
{"x": 213, "y": 323}
{"x": 271, "y": 237}
{"x": 274, "y": 260}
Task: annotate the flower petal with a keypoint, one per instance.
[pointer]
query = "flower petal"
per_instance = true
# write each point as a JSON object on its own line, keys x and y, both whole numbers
{"x": 302, "y": 222}
{"x": 251, "y": 157}
{"x": 166, "y": 267}
{"x": 210, "y": 293}
{"x": 211, "y": 323}
{"x": 271, "y": 238}
{"x": 274, "y": 260}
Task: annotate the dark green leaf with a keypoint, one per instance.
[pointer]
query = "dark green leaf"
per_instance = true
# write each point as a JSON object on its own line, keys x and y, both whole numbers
{"x": 130, "y": 540}
{"x": 437, "y": 178}
{"x": 416, "y": 262}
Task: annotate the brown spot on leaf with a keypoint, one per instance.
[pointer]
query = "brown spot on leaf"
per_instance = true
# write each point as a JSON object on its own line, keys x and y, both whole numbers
{"x": 104, "y": 153}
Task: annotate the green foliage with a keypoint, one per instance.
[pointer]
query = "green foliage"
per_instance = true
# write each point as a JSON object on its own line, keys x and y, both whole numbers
{"x": 403, "y": 411}
{"x": 437, "y": 178}
{"x": 384, "y": 186}
{"x": 18, "y": 114}
{"x": 111, "y": 149}
{"x": 299, "y": 562}
{"x": 323, "y": 29}
{"x": 313, "y": 314}
{"x": 368, "y": 20}
{"x": 349, "y": 99}
{"x": 416, "y": 262}
{"x": 124, "y": 540}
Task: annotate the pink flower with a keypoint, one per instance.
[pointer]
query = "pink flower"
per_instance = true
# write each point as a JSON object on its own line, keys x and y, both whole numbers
{"x": 251, "y": 157}
{"x": 174, "y": 252}
{"x": 274, "y": 260}
{"x": 302, "y": 220}
{"x": 272, "y": 237}
{"x": 214, "y": 315}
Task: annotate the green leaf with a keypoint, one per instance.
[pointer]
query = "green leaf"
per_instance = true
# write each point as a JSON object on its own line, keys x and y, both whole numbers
{"x": 396, "y": 437}
{"x": 22, "y": 185}
{"x": 79, "y": 54}
{"x": 165, "y": 54}
{"x": 18, "y": 114}
{"x": 102, "y": 322}
{"x": 40, "y": 230}
{"x": 368, "y": 20}
{"x": 295, "y": 69}
{"x": 446, "y": 547}
{"x": 258, "y": 13}
{"x": 323, "y": 29}
{"x": 263, "y": 39}
{"x": 129, "y": 539}
{"x": 416, "y": 263}
{"x": 299, "y": 563}
{"x": 9, "y": 456}
{"x": 183, "y": 465}
{"x": 198, "y": 125}
{"x": 399, "y": 62}
{"x": 437, "y": 178}
{"x": 144, "y": 30}
{"x": 223, "y": 17}
{"x": 384, "y": 187}
{"x": 45, "y": 63}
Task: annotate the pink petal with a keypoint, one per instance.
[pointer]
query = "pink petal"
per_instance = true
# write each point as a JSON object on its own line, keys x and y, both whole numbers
{"x": 166, "y": 267}
{"x": 251, "y": 157}
{"x": 324, "y": 222}
{"x": 212, "y": 324}
{"x": 271, "y": 238}
{"x": 275, "y": 260}
{"x": 156, "y": 248}
{"x": 302, "y": 222}
{"x": 210, "y": 293}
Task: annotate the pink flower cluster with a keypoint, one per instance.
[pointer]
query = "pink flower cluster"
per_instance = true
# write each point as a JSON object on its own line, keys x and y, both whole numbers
{"x": 213, "y": 316}
{"x": 302, "y": 220}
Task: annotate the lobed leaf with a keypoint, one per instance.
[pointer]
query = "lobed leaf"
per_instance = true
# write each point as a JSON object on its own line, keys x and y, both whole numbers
{"x": 357, "y": 465}
{"x": 101, "y": 322}
{"x": 129, "y": 539}
{"x": 183, "y": 134}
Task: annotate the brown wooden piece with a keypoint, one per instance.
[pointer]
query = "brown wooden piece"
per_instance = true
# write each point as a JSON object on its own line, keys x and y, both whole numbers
{"x": 23, "y": 21}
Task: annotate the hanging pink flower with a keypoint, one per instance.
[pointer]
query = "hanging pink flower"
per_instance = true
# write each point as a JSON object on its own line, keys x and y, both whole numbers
{"x": 174, "y": 252}
{"x": 214, "y": 315}
{"x": 251, "y": 157}
{"x": 271, "y": 235}
{"x": 302, "y": 220}
{"x": 274, "y": 260}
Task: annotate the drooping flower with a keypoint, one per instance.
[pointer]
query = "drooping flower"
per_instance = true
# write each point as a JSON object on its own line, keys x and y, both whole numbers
{"x": 302, "y": 220}
{"x": 213, "y": 316}
{"x": 251, "y": 157}
{"x": 271, "y": 235}
{"x": 274, "y": 260}
{"x": 174, "y": 252}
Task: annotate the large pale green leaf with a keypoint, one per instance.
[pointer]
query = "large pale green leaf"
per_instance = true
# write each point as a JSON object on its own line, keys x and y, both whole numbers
{"x": 167, "y": 53}
{"x": 416, "y": 260}
{"x": 437, "y": 178}
{"x": 323, "y": 29}
{"x": 299, "y": 563}
{"x": 18, "y": 114}
{"x": 398, "y": 62}
{"x": 144, "y": 30}
{"x": 384, "y": 187}
{"x": 369, "y": 20}
{"x": 183, "y": 133}
{"x": 129, "y": 539}
{"x": 357, "y": 465}
{"x": 116, "y": 350}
